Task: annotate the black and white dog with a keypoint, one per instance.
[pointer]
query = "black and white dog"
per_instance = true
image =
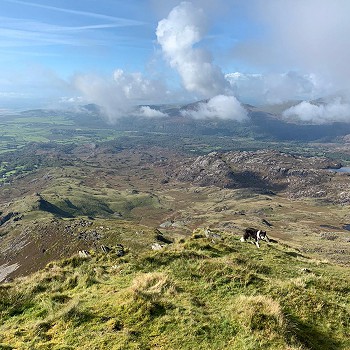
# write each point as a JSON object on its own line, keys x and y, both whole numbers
{"x": 254, "y": 234}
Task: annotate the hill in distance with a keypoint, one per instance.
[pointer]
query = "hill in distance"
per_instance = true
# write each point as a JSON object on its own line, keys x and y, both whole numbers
{"x": 264, "y": 123}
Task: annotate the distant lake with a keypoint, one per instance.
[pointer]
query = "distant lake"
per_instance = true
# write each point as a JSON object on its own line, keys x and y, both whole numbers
{"x": 344, "y": 169}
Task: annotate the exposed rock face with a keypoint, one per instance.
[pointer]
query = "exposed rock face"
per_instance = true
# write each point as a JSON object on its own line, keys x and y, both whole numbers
{"x": 5, "y": 218}
{"x": 7, "y": 269}
{"x": 298, "y": 176}
{"x": 207, "y": 170}
{"x": 268, "y": 172}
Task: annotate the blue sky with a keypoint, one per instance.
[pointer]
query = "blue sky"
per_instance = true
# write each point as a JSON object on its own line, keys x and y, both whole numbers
{"x": 262, "y": 51}
{"x": 58, "y": 39}
{"x": 60, "y": 36}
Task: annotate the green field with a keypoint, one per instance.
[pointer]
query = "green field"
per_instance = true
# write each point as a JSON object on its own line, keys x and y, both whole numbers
{"x": 19, "y": 131}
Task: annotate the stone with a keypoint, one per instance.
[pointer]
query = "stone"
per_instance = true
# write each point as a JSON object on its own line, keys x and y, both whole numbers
{"x": 156, "y": 246}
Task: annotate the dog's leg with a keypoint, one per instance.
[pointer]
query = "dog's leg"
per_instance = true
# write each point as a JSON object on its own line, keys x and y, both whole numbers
{"x": 242, "y": 239}
{"x": 267, "y": 239}
{"x": 257, "y": 244}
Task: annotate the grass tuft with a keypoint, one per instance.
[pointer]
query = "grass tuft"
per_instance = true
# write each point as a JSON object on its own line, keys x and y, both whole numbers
{"x": 152, "y": 286}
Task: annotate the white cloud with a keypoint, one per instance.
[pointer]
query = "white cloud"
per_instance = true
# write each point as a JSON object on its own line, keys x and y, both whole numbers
{"x": 20, "y": 32}
{"x": 117, "y": 20}
{"x": 136, "y": 87}
{"x": 184, "y": 28}
{"x": 335, "y": 110}
{"x": 310, "y": 36}
{"x": 16, "y": 32}
{"x": 118, "y": 95}
{"x": 177, "y": 34}
{"x": 221, "y": 106}
{"x": 148, "y": 112}
{"x": 273, "y": 88}
{"x": 71, "y": 100}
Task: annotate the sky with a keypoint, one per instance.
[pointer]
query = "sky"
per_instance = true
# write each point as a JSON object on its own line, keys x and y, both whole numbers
{"x": 124, "y": 55}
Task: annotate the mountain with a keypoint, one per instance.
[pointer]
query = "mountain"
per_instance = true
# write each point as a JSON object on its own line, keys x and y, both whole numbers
{"x": 264, "y": 123}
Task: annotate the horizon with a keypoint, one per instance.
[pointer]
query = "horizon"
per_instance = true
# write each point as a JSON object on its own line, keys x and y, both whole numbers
{"x": 120, "y": 55}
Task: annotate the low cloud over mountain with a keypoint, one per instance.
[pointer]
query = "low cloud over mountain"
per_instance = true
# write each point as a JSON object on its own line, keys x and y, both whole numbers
{"x": 317, "y": 49}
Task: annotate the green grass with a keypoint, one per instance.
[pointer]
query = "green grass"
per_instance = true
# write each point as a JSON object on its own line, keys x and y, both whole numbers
{"x": 18, "y": 131}
{"x": 197, "y": 294}
{"x": 40, "y": 120}
{"x": 89, "y": 202}
{"x": 68, "y": 196}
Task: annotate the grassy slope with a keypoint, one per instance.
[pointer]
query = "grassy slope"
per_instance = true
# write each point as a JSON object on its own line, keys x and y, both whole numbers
{"x": 197, "y": 294}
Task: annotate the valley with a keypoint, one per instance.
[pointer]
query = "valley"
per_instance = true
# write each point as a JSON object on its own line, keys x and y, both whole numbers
{"x": 178, "y": 206}
{"x": 146, "y": 182}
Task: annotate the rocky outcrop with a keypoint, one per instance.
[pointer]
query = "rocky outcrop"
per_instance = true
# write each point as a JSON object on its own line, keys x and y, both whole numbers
{"x": 5, "y": 218}
{"x": 268, "y": 172}
{"x": 161, "y": 238}
{"x": 208, "y": 170}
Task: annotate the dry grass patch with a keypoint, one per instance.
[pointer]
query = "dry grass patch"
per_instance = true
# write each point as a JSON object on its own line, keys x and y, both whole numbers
{"x": 263, "y": 322}
{"x": 260, "y": 313}
{"x": 152, "y": 285}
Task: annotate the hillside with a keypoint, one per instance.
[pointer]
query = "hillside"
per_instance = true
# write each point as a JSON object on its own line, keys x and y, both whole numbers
{"x": 177, "y": 286}
{"x": 93, "y": 196}
{"x": 210, "y": 291}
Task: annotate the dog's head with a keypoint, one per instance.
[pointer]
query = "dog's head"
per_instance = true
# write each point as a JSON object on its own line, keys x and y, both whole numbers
{"x": 262, "y": 235}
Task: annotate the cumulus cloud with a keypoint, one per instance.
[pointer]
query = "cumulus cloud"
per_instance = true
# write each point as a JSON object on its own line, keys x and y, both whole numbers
{"x": 136, "y": 87}
{"x": 177, "y": 34}
{"x": 148, "y": 112}
{"x": 220, "y": 106}
{"x": 309, "y": 36}
{"x": 274, "y": 88}
{"x": 118, "y": 95}
{"x": 103, "y": 92}
{"x": 335, "y": 110}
